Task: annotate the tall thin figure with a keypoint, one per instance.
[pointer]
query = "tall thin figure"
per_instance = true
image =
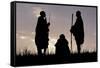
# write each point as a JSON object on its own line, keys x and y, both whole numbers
{"x": 42, "y": 33}
{"x": 78, "y": 31}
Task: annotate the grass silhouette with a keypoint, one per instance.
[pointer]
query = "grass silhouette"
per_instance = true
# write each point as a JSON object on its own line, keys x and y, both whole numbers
{"x": 29, "y": 59}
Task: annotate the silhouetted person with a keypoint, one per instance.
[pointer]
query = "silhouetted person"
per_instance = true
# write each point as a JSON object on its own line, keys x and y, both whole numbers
{"x": 78, "y": 31}
{"x": 42, "y": 32}
{"x": 62, "y": 49}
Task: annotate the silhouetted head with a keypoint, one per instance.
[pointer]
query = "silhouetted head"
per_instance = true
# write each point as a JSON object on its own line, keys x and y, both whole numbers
{"x": 42, "y": 13}
{"x": 62, "y": 36}
{"x": 78, "y": 13}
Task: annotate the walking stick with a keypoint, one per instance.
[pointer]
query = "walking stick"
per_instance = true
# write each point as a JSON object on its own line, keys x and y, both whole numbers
{"x": 49, "y": 20}
{"x": 71, "y": 33}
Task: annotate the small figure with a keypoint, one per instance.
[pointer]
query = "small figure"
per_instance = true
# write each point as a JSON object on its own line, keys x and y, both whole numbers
{"x": 62, "y": 49}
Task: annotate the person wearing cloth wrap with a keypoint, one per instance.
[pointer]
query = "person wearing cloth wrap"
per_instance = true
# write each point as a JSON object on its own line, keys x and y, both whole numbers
{"x": 42, "y": 32}
{"x": 78, "y": 31}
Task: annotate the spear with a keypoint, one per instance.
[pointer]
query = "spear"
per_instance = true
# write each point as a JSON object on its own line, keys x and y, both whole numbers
{"x": 71, "y": 32}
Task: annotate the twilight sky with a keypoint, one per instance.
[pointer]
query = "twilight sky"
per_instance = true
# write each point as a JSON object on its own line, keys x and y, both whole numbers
{"x": 60, "y": 20}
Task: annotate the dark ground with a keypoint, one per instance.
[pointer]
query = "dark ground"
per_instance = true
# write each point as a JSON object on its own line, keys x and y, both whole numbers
{"x": 29, "y": 59}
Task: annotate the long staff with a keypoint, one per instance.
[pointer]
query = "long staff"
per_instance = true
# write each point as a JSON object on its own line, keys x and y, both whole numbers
{"x": 71, "y": 33}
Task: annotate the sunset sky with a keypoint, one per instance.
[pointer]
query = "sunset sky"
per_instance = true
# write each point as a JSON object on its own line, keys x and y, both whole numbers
{"x": 60, "y": 23}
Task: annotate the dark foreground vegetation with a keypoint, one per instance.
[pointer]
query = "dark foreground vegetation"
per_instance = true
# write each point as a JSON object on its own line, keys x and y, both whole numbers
{"x": 29, "y": 59}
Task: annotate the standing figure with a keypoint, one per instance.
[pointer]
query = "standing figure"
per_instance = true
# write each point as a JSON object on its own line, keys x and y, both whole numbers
{"x": 62, "y": 49}
{"x": 78, "y": 31}
{"x": 42, "y": 32}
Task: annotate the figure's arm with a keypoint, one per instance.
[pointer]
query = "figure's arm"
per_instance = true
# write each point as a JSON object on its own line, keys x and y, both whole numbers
{"x": 38, "y": 24}
{"x": 71, "y": 30}
{"x": 48, "y": 24}
{"x": 57, "y": 43}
